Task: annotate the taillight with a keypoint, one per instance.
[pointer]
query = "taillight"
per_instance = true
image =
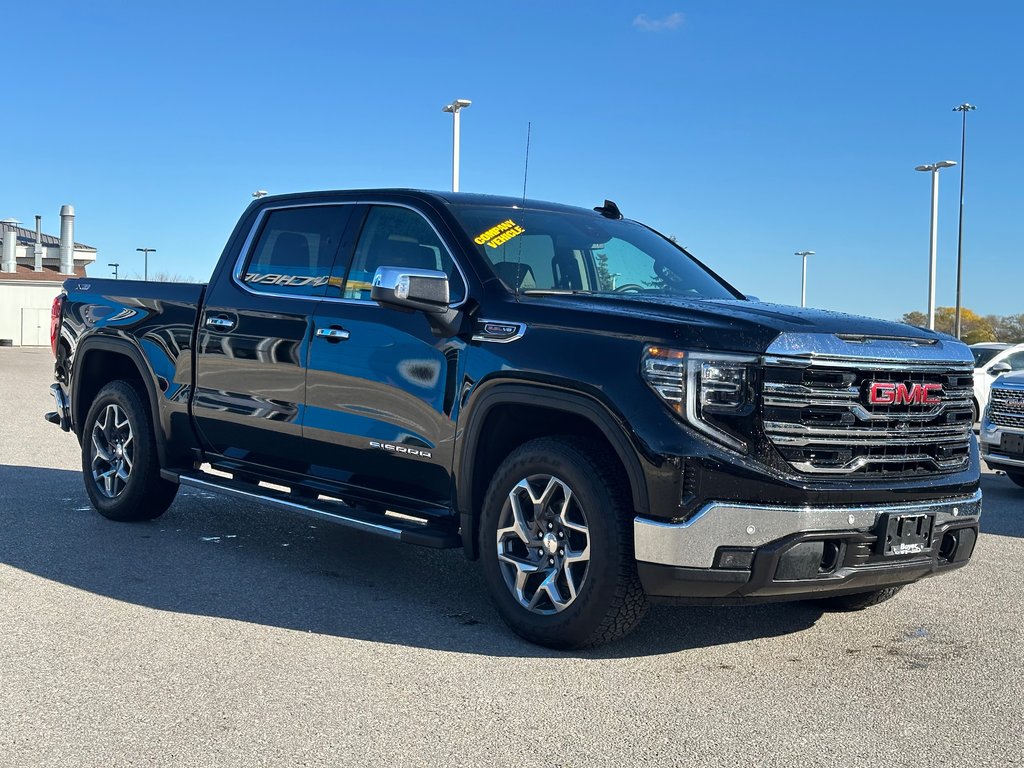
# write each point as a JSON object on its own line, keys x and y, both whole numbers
{"x": 58, "y": 302}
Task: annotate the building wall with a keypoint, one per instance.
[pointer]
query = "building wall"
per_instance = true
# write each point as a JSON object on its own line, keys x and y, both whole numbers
{"x": 20, "y": 317}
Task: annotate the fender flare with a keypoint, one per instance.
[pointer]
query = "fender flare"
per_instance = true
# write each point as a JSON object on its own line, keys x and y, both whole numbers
{"x": 125, "y": 348}
{"x": 553, "y": 398}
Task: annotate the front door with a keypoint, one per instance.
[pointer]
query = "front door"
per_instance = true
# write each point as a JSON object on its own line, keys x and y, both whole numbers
{"x": 380, "y": 392}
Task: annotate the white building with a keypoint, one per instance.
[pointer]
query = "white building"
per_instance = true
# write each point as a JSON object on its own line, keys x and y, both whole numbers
{"x": 33, "y": 266}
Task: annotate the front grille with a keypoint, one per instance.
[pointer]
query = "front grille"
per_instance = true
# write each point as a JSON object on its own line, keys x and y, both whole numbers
{"x": 818, "y": 415}
{"x": 1006, "y": 407}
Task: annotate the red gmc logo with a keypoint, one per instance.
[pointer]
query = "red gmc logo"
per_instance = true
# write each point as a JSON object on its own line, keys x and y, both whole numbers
{"x": 891, "y": 393}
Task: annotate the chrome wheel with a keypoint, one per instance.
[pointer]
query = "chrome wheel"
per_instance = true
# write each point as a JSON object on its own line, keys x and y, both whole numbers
{"x": 543, "y": 544}
{"x": 113, "y": 451}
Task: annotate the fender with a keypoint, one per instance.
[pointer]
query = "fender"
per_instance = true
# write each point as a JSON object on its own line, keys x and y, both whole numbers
{"x": 125, "y": 347}
{"x": 495, "y": 393}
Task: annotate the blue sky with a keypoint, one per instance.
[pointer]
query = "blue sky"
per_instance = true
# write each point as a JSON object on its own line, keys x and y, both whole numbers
{"x": 750, "y": 130}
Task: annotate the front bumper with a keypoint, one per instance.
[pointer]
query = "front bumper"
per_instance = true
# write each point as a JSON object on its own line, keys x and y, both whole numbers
{"x": 992, "y": 451}
{"x": 790, "y": 553}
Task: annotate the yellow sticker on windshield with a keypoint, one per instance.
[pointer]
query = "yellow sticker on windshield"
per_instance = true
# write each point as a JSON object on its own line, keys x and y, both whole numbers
{"x": 499, "y": 234}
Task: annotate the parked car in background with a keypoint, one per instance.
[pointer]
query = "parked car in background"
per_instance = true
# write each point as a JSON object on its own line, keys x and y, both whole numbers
{"x": 1002, "y": 427}
{"x": 992, "y": 359}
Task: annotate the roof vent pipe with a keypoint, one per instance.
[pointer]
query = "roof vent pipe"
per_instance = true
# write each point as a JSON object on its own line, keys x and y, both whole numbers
{"x": 37, "y": 249}
{"x": 9, "y": 263}
{"x": 67, "y": 240}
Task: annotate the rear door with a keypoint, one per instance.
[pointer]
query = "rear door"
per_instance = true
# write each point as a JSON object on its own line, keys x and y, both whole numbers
{"x": 254, "y": 336}
{"x": 381, "y": 389}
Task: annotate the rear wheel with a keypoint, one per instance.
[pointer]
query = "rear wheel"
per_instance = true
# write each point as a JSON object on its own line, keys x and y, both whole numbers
{"x": 557, "y": 545}
{"x": 1017, "y": 477}
{"x": 119, "y": 458}
{"x": 858, "y": 601}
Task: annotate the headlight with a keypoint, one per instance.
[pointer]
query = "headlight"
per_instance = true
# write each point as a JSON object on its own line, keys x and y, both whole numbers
{"x": 703, "y": 388}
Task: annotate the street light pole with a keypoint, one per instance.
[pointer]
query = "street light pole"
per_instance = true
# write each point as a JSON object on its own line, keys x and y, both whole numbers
{"x": 146, "y": 252}
{"x": 934, "y": 169}
{"x": 455, "y": 107}
{"x": 803, "y": 279}
{"x": 964, "y": 108}
{"x": 115, "y": 265}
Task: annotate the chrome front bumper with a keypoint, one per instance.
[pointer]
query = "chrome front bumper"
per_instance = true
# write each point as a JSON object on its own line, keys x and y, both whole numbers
{"x": 989, "y": 439}
{"x": 694, "y": 543}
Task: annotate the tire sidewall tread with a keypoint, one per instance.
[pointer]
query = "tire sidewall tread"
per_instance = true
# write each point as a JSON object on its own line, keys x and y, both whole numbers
{"x": 146, "y": 495}
{"x": 611, "y": 600}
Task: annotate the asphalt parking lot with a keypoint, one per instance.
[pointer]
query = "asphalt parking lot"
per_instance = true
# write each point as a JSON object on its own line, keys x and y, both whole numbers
{"x": 226, "y": 635}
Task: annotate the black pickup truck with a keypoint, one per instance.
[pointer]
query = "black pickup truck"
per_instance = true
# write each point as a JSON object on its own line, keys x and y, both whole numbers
{"x": 563, "y": 393}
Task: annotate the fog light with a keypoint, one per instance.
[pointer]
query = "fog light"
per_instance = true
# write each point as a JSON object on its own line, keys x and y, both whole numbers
{"x": 734, "y": 559}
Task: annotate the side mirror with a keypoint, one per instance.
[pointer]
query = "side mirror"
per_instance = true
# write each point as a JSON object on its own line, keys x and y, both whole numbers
{"x": 406, "y": 288}
{"x": 752, "y": 298}
{"x": 998, "y": 368}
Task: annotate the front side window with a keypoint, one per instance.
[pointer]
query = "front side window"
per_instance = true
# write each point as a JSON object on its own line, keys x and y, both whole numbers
{"x": 1015, "y": 361}
{"x": 399, "y": 237}
{"x": 544, "y": 251}
{"x": 295, "y": 250}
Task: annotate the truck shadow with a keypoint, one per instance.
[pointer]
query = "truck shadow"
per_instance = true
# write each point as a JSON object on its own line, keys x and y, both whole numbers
{"x": 213, "y": 556}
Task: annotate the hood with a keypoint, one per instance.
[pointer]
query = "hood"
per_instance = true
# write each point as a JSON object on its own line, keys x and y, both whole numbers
{"x": 739, "y": 325}
{"x": 1010, "y": 380}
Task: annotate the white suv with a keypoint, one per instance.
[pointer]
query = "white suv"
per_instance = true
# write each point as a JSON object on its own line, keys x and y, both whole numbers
{"x": 991, "y": 360}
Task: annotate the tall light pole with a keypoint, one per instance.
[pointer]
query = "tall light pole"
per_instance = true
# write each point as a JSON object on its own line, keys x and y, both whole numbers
{"x": 934, "y": 168}
{"x": 455, "y": 107}
{"x": 803, "y": 280}
{"x": 146, "y": 251}
{"x": 964, "y": 108}
{"x": 115, "y": 265}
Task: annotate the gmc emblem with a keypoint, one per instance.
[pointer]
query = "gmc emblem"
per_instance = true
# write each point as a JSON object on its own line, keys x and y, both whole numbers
{"x": 891, "y": 393}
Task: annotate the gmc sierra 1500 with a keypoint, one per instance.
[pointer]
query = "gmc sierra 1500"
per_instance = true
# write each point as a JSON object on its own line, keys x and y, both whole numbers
{"x": 563, "y": 393}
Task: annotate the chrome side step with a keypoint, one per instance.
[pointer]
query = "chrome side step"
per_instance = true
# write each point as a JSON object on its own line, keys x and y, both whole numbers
{"x": 406, "y": 530}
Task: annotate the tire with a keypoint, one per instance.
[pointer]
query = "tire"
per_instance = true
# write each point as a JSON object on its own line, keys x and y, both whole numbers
{"x": 571, "y": 499}
{"x": 1016, "y": 477}
{"x": 858, "y": 601}
{"x": 119, "y": 459}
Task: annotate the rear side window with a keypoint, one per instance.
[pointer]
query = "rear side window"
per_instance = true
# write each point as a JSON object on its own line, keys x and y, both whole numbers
{"x": 295, "y": 250}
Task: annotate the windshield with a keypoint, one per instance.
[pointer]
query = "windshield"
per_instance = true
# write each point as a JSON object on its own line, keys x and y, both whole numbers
{"x": 537, "y": 251}
{"x": 983, "y": 354}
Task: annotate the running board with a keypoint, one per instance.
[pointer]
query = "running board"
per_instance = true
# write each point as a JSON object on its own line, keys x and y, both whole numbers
{"x": 406, "y": 530}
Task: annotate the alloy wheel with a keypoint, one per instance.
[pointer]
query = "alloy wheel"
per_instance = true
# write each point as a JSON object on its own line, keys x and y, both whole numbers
{"x": 543, "y": 544}
{"x": 113, "y": 451}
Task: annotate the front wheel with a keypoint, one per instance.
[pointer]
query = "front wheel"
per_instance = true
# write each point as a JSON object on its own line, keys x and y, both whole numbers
{"x": 1017, "y": 477}
{"x": 119, "y": 458}
{"x": 556, "y": 539}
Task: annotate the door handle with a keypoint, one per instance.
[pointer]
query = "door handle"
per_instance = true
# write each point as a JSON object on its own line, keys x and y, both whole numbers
{"x": 220, "y": 322}
{"x": 332, "y": 334}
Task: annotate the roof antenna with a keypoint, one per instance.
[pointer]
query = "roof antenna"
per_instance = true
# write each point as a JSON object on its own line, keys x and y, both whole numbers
{"x": 526, "y": 169}
{"x": 526, "y": 172}
{"x": 609, "y": 210}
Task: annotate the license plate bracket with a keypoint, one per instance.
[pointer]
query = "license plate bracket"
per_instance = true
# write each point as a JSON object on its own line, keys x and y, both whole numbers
{"x": 1012, "y": 444}
{"x": 905, "y": 534}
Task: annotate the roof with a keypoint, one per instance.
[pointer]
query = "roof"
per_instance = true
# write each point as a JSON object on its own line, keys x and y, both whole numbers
{"x": 26, "y": 272}
{"x": 28, "y": 237}
{"x": 455, "y": 198}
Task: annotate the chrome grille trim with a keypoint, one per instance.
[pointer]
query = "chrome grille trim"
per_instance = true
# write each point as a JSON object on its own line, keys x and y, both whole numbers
{"x": 1006, "y": 407}
{"x": 815, "y": 412}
